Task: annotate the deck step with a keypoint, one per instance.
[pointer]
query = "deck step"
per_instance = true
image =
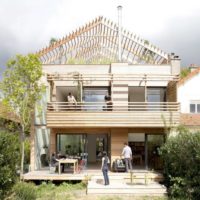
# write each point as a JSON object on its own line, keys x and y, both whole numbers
{"x": 120, "y": 187}
{"x": 142, "y": 184}
{"x": 136, "y": 177}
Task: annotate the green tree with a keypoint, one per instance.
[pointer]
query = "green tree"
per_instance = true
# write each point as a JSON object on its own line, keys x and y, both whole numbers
{"x": 22, "y": 89}
{"x": 53, "y": 41}
{"x": 181, "y": 154}
{"x": 184, "y": 72}
{"x": 9, "y": 158}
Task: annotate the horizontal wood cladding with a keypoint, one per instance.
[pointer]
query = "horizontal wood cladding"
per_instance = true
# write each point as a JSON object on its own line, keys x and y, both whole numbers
{"x": 118, "y": 137}
{"x": 120, "y": 92}
{"x": 172, "y": 91}
{"x": 111, "y": 119}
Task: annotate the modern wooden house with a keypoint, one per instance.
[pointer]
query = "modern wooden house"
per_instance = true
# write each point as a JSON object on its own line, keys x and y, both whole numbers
{"x": 97, "y": 60}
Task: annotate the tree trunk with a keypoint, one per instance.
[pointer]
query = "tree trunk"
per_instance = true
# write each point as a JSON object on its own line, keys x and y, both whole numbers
{"x": 22, "y": 153}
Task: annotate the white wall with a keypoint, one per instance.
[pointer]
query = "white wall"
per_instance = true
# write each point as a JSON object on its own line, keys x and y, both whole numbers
{"x": 188, "y": 91}
{"x": 118, "y": 68}
{"x": 82, "y": 69}
{"x": 115, "y": 68}
{"x": 141, "y": 69}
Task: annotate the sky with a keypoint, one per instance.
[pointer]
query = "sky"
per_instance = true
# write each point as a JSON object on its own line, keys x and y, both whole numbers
{"x": 26, "y": 26}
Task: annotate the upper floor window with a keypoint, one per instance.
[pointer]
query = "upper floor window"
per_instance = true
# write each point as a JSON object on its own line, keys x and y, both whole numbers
{"x": 195, "y": 107}
{"x": 156, "y": 94}
{"x": 95, "y": 95}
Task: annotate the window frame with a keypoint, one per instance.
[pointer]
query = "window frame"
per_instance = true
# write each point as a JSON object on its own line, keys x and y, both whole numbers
{"x": 196, "y": 107}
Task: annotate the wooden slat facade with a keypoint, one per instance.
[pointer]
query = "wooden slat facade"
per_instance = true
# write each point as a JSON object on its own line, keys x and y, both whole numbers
{"x": 111, "y": 119}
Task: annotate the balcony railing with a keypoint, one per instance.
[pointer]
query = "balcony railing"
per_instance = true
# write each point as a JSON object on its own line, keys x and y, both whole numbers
{"x": 111, "y": 77}
{"x": 114, "y": 107}
{"x": 119, "y": 114}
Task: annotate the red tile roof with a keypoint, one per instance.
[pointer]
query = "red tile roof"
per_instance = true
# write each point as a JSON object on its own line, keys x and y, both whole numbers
{"x": 188, "y": 77}
{"x": 190, "y": 119}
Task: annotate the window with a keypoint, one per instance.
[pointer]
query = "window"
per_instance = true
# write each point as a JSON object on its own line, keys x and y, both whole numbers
{"x": 195, "y": 107}
{"x": 198, "y": 108}
{"x": 95, "y": 95}
{"x": 192, "y": 108}
{"x": 156, "y": 94}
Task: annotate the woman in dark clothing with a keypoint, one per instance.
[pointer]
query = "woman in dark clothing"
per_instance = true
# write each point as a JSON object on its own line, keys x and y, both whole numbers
{"x": 104, "y": 167}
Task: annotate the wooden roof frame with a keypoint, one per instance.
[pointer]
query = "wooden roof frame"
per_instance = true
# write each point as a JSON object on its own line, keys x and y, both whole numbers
{"x": 96, "y": 42}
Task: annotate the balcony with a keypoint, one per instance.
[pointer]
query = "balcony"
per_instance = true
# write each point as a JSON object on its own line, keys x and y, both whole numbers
{"x": 126, "y": 114}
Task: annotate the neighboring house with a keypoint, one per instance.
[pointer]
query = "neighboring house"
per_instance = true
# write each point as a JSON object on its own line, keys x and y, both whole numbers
{"x": 189, "y": 98}
{"x": 140, "y": 78}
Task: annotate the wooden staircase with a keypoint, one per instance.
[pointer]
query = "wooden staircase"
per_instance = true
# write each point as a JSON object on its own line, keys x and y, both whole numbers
{"x": 138, "y": 183}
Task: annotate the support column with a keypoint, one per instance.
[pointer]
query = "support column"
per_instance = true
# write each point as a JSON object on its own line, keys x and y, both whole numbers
{"x": 52, "y": 141}
{"x": 118, "y": 137}
{"x": 146, "y": 151}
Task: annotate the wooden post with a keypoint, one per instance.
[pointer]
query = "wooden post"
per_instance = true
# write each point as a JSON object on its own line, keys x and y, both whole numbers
{"x": 146, "y": 151}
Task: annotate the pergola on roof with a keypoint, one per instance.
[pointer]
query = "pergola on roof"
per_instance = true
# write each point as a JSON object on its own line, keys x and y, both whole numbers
{"x": 97, "y": 43}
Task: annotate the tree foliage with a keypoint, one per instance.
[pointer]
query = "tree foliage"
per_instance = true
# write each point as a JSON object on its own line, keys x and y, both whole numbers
{"x": 21, "y": 90}
{"x": 184, "y": 72}
{"x": 9, "y": 158}
{"x": 53, "y": 41}
{"x": 181, "y": 154}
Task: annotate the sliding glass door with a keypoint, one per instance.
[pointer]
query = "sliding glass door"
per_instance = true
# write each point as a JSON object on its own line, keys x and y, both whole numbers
{"x": 72, "y": 144}
{"x": 92, "y": 95}
{"x": 156, "y": 95}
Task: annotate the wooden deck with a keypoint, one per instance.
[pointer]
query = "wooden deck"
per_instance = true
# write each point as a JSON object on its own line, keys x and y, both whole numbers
{"x": 141, "y": 183}
{"x": 138, "y": 174}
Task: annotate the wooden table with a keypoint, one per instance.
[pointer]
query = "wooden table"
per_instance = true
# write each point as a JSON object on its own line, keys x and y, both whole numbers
{"x": 69, "y": 161}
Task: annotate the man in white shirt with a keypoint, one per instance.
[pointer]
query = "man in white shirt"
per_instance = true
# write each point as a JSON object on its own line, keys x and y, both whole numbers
{"x": 127, "y": 153}
{"x": 71, "y": 101}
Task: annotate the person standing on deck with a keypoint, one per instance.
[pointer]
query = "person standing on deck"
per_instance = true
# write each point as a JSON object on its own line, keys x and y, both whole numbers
{"x": 127, "y": 153}
{"x": 104, "y": 168}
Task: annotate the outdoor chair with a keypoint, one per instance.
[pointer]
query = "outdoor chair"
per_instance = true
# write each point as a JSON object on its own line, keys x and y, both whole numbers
{"x": 52, "y": 169}
{"x": 81, "y": 166}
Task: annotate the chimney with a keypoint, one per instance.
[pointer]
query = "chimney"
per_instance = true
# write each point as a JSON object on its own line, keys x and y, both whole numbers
{"x": 119, "y": 33}
{"x": 175, "y": 62}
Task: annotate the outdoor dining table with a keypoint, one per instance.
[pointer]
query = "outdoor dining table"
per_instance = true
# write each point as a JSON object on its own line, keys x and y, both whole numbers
{"x": 68, "y": 161}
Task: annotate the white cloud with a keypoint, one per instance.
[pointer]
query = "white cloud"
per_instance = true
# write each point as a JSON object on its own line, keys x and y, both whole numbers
{"x": 28, "y": 25}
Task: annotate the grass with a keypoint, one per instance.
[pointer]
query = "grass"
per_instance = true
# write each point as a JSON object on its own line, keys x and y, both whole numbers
{"x": 69, "y": 191}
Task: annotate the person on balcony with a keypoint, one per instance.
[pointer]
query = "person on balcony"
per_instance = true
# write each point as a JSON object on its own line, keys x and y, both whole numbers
{"x": 71, "y": 101}
{"x": 109, "y": 103}
{"x": 127, "y": 153}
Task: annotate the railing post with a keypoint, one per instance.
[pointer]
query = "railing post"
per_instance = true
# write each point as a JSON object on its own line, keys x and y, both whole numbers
{"x": 132, "y": 177}
{"x": 146, "y": 151}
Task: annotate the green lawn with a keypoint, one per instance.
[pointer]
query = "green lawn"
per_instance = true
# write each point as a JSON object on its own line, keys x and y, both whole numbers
{"x": 67, "y": 191}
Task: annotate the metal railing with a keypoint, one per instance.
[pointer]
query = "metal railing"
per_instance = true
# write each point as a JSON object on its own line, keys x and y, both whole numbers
{"x": 113, "y": 107}
{"x": 111, "y": 77}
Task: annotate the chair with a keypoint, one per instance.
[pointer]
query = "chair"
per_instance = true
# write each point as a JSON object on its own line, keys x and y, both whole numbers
{"x": 81, "y": 166}
{"x": 52, "y": 169}
{"x": 119, "y": 165}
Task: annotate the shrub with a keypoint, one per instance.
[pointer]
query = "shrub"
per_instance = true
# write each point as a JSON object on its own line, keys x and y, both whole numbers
{"x": 25, "y": 191}
{"x": 9, "y": 158}
{"x": 181, "y": 155}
